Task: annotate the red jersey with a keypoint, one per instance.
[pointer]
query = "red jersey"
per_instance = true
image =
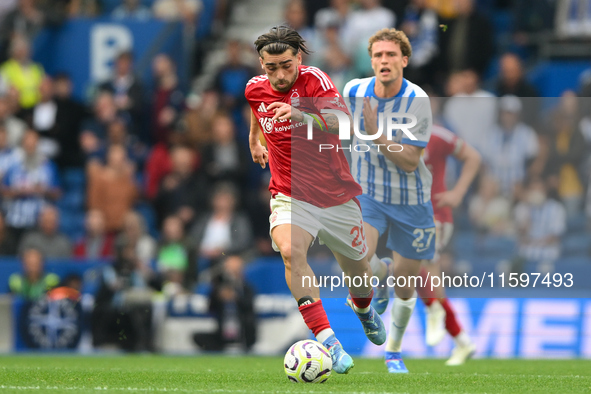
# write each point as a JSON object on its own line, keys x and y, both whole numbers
{"x": 300, "y": 169}
{"x": 442, "y": 144}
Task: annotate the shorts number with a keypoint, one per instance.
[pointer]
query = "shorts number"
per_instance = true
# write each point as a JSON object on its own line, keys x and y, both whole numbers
{"x": 418, "y": 243}
{"x": 357, "y": 231}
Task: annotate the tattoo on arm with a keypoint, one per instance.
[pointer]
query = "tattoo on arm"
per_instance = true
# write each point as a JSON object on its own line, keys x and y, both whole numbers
{"x": 332, "y": 122}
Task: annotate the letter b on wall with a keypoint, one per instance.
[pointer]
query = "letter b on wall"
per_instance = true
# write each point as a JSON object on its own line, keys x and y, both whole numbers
{"x": 107, "y": 41}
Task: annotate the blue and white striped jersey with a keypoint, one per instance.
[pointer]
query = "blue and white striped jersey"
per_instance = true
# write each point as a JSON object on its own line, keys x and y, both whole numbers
{"x": 379, "y": 177}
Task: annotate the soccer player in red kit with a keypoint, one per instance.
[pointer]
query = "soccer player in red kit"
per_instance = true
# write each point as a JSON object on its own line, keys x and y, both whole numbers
{"x": 440, "y": 315}
{"x": 313, "y": 190}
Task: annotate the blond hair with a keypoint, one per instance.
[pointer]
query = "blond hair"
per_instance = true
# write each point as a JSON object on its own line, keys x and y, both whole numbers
{"x": 391, "y": 34}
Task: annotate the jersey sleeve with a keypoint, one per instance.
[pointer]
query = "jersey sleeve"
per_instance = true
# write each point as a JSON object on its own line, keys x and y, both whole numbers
{"x": 420, "y": 107}
{"x": 323, "y": 90}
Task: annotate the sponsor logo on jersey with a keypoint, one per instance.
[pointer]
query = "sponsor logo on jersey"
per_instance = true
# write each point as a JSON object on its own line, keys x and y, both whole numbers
{"x": 262, "y": 108}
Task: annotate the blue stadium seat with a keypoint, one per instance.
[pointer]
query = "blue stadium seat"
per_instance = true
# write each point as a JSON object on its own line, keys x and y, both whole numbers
{"x": 502, "y": 247}
{"x": 72, "y": 200}
{"x": 576, "y": 224}
{"x": 74, "y": 179}
{"x": 267, "y": 276}
{"x": 72, "y": 223}
{"x": 576, "y": 244}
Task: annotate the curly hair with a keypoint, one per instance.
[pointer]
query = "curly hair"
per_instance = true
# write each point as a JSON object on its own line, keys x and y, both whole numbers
{"x": 391, "y": 34}
{"x": 278, "y": 40}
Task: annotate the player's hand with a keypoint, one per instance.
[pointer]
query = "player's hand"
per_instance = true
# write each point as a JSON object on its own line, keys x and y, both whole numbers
{"x": 282, "y": 111}
{"x": 259, "y": 154}
{"x": 370, "y": 117}
{"x": 448, "y": 199}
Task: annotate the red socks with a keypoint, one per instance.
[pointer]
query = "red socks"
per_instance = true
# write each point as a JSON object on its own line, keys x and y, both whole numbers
{"x": 451, "y": 323}
{"x": 362, "y": 302}
{"x": 315, "y": 316}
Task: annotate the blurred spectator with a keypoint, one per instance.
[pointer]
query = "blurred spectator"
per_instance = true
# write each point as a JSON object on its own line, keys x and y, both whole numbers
{"x": 232, "y": 77}
{"x": 97, "y": 243}
{"x": 83, "y": 8}
{"x": 159, "y": 163}
{"x": 471, "y": 111}
{"x": 421, "y": 26}
{"x": 573, "y": 18}
{"x": 489, "y": 211}
{"x": 21, "y": 73}
{"x": 33, "y": 283}
{"x": 46, "y": 239}
{"x": 336, "y": 15}
{"x": 43, "y": 118}
{"x": 182, "y": 192}
{"x": 132, "y": 9}
{"x": 532, "y": 17}
{"x": 15, "y": 128}
{"x": 178, "y": 10}
{"x": 223, "y": 158}
{"x": 197, "y": 118}
{"x": 68, "y": 119}
{"x": 231, "y": 301}
{"x": 566, "y": 152}
{"x": 94, "y": 130}
{"x": 134, "y": 235}
{"x": 7, "y": 242}
{"x": 445, "y": 8}
{"x": 6, "y": 7}
{"x": 259, "y": 213}
{"x": 541, "y": 221}
{"x": 8, "y": 155}
{"x": 175, "y": 257}
{"x": 122, "y": 314}
{"x": 117, "y": 135}
{"x": 296, "y": 17}
{"x": 510, "y": 147}
{"x": 512, "y": 79}
{"x": 111, "y": 187}
{"x": 24, "y": 21}
{"x": 333, "y": 59}
{"x": 127, "y": 90}
{"x": 468, "y": 42}
{"x": 28, "y": 186}
{"x": 224, "y": 230}
{"x": 168, "y": 100}
{"x": 362, "y": 24}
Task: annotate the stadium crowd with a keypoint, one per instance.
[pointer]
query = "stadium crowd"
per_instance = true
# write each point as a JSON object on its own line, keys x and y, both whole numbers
{"x": 165, "y": 186}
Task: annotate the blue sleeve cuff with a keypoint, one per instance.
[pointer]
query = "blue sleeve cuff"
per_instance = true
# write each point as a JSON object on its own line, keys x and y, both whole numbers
{"x": 418, "y": 143}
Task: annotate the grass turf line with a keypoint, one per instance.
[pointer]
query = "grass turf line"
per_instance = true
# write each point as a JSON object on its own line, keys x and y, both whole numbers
{"x": 226, "y": 374}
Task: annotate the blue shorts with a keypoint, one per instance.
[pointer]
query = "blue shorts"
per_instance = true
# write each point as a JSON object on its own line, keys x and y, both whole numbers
{"x": 411, "y": 228}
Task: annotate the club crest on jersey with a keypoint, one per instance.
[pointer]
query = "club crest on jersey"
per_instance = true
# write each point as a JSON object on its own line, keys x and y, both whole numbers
{"x": 295, "y": 99}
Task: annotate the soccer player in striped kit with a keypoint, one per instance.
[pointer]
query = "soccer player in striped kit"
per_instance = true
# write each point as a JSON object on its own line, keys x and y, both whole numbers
{"x": 396, "y": 182}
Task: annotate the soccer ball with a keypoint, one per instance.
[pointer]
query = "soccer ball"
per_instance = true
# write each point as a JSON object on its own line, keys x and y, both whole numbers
{"x": 307, "y": 362}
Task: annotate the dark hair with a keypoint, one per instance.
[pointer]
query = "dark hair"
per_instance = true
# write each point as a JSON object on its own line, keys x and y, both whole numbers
{"x": 278, "y": 40}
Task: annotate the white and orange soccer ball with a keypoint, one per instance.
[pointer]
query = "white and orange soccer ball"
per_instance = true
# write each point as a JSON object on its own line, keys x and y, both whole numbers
{"x": 307, "y": 362}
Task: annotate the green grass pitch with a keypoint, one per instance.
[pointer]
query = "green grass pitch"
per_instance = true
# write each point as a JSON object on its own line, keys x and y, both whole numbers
{"x": 236, "y": 374}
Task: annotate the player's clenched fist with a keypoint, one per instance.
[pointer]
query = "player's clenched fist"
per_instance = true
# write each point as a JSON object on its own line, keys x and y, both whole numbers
{"x": 259, "y": 154}
{"x": 282, "y": 111}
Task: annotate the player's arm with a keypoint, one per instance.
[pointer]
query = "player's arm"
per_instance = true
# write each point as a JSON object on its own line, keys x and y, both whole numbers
{"x": 470, "y": 159}
{"x": 257, "y": 150}
{"x": 324, "y": 122}
{"x": 406, "y": 159}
